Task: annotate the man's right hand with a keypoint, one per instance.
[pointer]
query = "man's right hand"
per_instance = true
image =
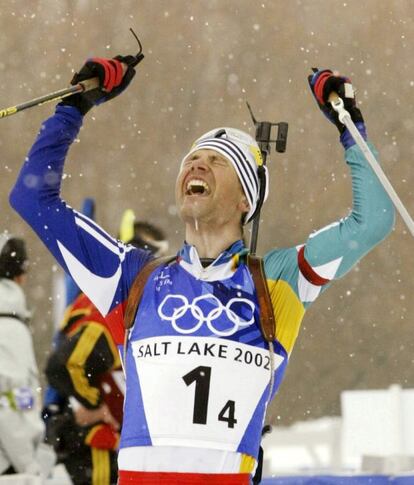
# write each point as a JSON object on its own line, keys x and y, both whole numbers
{"x": 114, "y": 76}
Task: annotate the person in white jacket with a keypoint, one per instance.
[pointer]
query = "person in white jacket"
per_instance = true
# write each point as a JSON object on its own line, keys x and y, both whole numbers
{"x": 21, "y": 427}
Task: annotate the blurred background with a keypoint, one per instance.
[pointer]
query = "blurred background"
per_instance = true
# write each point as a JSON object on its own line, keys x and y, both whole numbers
{"x": 203, "y": 61}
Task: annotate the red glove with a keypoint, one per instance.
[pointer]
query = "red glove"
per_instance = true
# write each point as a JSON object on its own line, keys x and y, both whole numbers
{"x": 323, "y": 83}
{"x": 114, "y": 76}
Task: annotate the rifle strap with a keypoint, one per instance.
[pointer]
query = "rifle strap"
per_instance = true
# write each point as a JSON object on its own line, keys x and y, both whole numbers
{"x": 255, "y": 265}
{"x": 137, "y": 288}
{"x": 267, "y": 317}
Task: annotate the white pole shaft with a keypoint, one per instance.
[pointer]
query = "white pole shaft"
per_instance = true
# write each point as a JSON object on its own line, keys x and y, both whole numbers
{"x": 345, "y": 118}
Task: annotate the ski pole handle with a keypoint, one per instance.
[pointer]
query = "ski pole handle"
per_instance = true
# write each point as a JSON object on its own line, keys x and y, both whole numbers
{"x": 338, "y": 105}
{"x": 89, "y": 84}
{"x": 345, "y": 118}
{"x": 93, "y": 83}
{"x": 333, "y": 97}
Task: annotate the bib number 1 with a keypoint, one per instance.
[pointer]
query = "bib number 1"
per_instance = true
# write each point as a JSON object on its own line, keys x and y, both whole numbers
{"x": 201, "y": 375}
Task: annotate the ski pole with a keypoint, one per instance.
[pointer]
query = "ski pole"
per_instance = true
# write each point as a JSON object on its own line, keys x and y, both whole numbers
{"x": 345, "y": 118}
{"x": 81, "y": 87}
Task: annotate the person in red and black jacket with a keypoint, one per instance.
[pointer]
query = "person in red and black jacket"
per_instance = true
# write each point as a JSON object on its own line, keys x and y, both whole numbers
{"x": 85, "y": 369}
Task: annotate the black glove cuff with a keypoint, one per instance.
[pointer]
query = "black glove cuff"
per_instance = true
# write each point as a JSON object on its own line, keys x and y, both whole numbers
{"x": 78, "y": 101}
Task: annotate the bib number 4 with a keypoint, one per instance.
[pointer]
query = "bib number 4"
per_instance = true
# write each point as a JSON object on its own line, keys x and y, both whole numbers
{"x": 201, "y": 376}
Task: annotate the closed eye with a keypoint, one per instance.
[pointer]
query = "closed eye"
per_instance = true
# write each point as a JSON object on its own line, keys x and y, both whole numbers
{"x": 218, "y": 160}
{"x": 190, "y": 159}
{"x": 214, "y": 158}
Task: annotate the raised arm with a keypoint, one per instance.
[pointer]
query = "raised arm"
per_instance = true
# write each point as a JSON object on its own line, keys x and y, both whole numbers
{"x": 331, "y": 252}
{"x": 95, "y": 260}
{"x": 297, "y": 276}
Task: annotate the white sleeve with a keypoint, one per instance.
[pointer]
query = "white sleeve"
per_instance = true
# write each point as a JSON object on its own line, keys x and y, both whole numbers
{"x": 18, "y": 436}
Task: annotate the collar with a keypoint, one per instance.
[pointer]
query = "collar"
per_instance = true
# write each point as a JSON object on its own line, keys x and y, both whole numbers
{"x": 223, "y": 267}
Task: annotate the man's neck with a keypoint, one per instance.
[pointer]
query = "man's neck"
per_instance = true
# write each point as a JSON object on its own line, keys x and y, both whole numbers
{"x": 211, "y": 242}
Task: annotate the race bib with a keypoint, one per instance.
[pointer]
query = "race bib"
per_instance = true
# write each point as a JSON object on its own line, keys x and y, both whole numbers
{"x": 200, "y": 391}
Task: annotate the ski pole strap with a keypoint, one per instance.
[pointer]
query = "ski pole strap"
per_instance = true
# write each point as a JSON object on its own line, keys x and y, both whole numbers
{"x": 137, "y": 288}
{"x": 267, "y": 317}
{"x": 255, "y": 265}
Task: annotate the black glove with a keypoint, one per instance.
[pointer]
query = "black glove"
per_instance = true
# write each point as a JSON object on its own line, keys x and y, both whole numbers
{"x": 112, "y": 80}
{"x": 322, "y": 84}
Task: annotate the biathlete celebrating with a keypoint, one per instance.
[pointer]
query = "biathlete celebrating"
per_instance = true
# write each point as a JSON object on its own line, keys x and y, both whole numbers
{"x": 199, "y": 374}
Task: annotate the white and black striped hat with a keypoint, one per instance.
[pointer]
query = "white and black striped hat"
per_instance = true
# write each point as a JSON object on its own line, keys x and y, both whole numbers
{"x": 244, "y": 154}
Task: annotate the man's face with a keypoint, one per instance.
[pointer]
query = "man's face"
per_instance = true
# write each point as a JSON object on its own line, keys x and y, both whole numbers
{"x": 208, "y": 189}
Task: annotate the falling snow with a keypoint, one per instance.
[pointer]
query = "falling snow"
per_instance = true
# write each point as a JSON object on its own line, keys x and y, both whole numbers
{"x": 203, "y": 61}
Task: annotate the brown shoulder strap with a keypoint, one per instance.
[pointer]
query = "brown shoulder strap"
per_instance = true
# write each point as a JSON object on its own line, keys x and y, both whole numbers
{"x": 137, "y": 288}
{"x": 267, "y": 317}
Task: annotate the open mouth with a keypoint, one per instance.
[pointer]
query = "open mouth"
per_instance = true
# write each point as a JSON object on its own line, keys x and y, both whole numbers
{"x": 197, "y": 187}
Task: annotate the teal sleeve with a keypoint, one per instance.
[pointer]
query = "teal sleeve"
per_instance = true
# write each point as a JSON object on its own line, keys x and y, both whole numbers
{"x": 370, "y": 221}
{"x": 332, "y": 251}
{"x": 297, "y": 276}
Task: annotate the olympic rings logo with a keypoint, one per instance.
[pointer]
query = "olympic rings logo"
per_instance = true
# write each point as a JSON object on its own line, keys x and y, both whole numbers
{"x": 181, "y": 306}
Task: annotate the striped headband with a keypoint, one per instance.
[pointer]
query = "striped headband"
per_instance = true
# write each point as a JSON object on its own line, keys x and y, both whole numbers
{"x": 244, "y": 154}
